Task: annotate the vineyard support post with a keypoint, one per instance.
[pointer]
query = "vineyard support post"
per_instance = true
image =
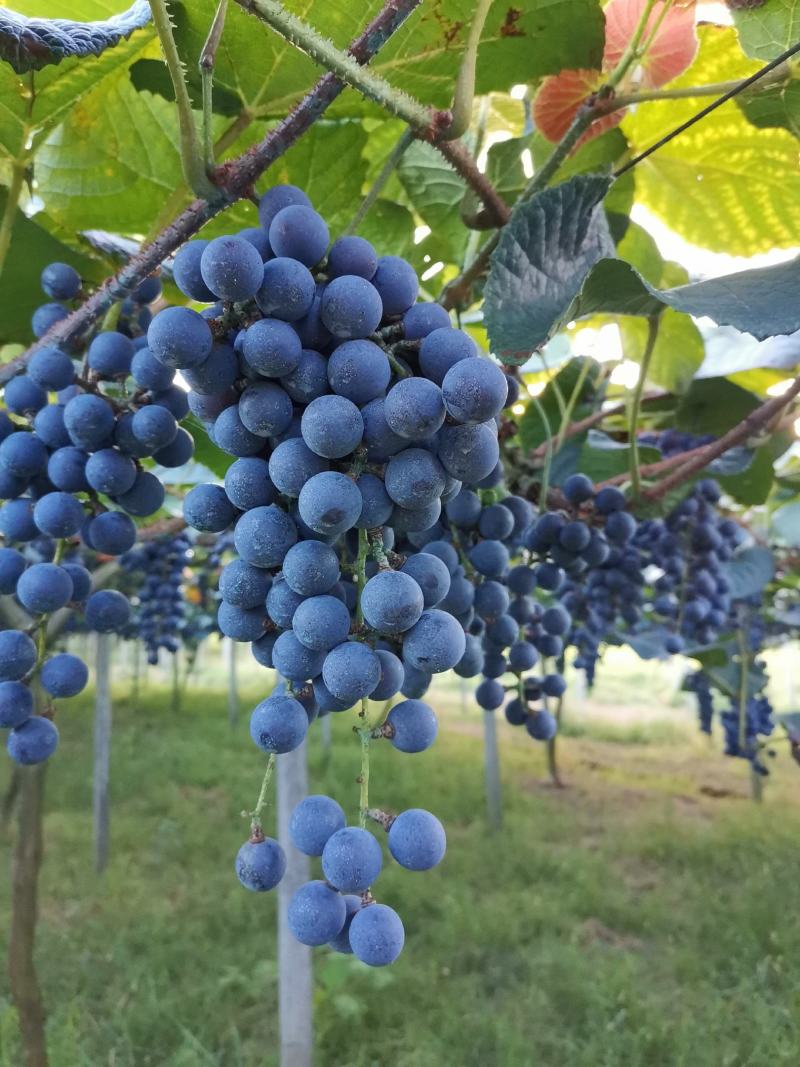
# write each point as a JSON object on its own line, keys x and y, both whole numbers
{"x": 491, "y": 764}
{"x": 229, "y": 647}
{"x": 102, "y": 751}
{"x": 295, "y": 980}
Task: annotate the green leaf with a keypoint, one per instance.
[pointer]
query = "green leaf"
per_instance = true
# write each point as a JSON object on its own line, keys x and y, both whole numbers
{"x": 435, "y": 192}
{"x": 728, "y": 678}
{"x": 678, "y": 351}
{"x": 713, "y": 405}
{"x": 768, "y": 29}
{"x": 423, "y": 59}
{"x": 778, "y": 105}
{"x": 205, "y": 451}
{"x": 544, "y": 254}
{"x": 786, "y": 523}
{"x": 113, "y": 163}
{"x": 602, "y": 457}
{"x": 32, "y": 248}
{"x": 753, "y": 484}
{"x": 639, "y": 249}
{"x": 390, "y": 228}
{"x": 723, "y": 184}
{"x": 749, "y": 571}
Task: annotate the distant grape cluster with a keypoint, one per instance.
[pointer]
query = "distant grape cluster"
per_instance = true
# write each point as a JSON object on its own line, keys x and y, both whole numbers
{"x": 159, "y": 617}
{"x": 71, "y": 444}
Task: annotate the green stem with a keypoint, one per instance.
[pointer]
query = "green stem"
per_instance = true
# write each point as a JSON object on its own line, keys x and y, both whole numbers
{"x": 651, "y": 36}
{"x": 191, "y": 156}
{"x": 548, "y": 456}
{"x": 261, "y": 803}
{"x": 365, "y": 736}
{"x": 361, "y": 571}
{"x": 566, "y": 414}
{"x": 13, "y": 194}
{"x": 644, "y": 96}
{"x": 383, "y": 177}
{"x": 653, "y": 323}
{"x": 207, "y": 58}
{"x": 633, "y": 52}
{"x": 371, "y": 85}
{"x": 464, "y": 92}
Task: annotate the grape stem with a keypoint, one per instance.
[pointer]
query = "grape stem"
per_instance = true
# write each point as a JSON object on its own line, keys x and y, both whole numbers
{"x": 234, "y": 180}
{"x": 365, "y": 736}
{"x": 17, "y": 178}
{"x": 207, "y": 59}
{"x": 263, "y": 797}
{"x": 361, "y": 572}
{"x": 653, "y": 323}
{"x": 464, "y": 92}
{"x": 544, "y": 487}
{"x": 191, "y": 156}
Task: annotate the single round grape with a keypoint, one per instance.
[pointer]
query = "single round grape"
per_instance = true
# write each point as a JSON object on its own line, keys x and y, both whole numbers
{"x": 351, "y": 859}
{"x": 522, "y": 655}
{"x": 44, "y": 588}
{"x": 264, "y": 535}
{"x": 109, "y": 471}
{"x": 260, "y": 865}
{"x": 17, "y": 655}
{"x": 46, "y": 316}
{"x": 431, "y": 575}
{"x": 469, "y": 453}
{"x": 471, "y": 663}
{"x": 23, "y": 454}
{"x": 258, "y": 239}
{"x": 16, "y": 704}
{"x": 496, "y": 522}
{"x": 265, "y": 409}
{"x": 490, "y": 558}
{"x": 351, "y": 307}
{"x": 422, "y": 319}
{"x": 23, "y": 396}
{"x": 58, "y": 514}
{"x": 376, "y": 504}
{"x": 391, "y": 602}
{"x": 51, "y": 369}
{"x": 287, "y": 290}
{"x": 397, "y": 284}
{"x": 351, "y": 671}
{"x": 441, "y": 349}
{"x": 578, "y": 488}
{"x": 415, "y": 726}
{"x": 300, "y": 233}
{"x": 309, "y": 379}
{"x": 16, "y": 521}
{"x": 414, "y": 478}
{"x": 241, "y": 624}
{"x": 272, "y": 348}
{"x": 89, "y": 421}
{"x": 81, "y": 581}
{"x": 435, "y": 643}
{"x": 329, "y": 503}
{"x": 294, "y": 660}
{"x": 232, "y": 436}
{"x": 392, "y": 675}
{"x": 262, "y": 649}
{"x": 541, "y": 726}
{"x": 12, "y": 564}
{"x": 206, "y": 507}
{"x": 278, "y": 724}
{"x": 111, "y": 532}
{"x": 60, "y": 281}
{"x": 416, "y": 520}
{"x": 107, "y": 611}
{"x": 311, "y": 568}
{"x": 244, "y": 585}
{"x": 216, "y": 373}
{"x": 110, "y": 354}
{"x": 359, "y": 371}
{"x": 341, "y": 943}
{"x": 282, "y": 602}
{"x": 179, "y": 338}
{"x": 64, "y": 675}
{"x": 49, "y": 427}
{"x": 321, "y": 622}
{"x": 149, "y": 372}
{"x": 377, "y": 935}
{"x": 417, "y": 840}
{"x": 313, "y": 822}
{"x": 490, "y": 695}
{"x": 186, "y": 272}
{"x": 474, "y": 390}
{"x": 34, "y": 741}
{"x": 154, "y": 427}
{"x": 144, "y": 497}
{"x": 277, "y": 198}
{"x": 316, "y": 913}
{"x": 414, "y": 408}
{"x": 248, "y": 485}
{"x": 332, "y": 426}
{"x": 620, "y": 525}
{"x": 575, "y": 536}
{"x": 231, "y": 268}
{"x": 352, "y": 255}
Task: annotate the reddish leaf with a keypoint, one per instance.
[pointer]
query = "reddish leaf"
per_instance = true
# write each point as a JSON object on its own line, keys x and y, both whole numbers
{"x": 559, "y": 99}
{"x": 672, "y": 49}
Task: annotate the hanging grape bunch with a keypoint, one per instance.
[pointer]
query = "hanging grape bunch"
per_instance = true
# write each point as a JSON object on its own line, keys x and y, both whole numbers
{"x": 354, "y": 413}
{"x": 72, "y": 442}
{"x": 159, "y": 617}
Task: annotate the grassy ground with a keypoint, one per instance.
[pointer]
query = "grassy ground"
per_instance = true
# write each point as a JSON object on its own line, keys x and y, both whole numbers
{"x": 644, "y": 916}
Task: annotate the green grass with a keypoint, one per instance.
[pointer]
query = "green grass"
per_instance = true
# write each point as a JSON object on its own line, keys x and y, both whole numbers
{"x": 628, "y": 920}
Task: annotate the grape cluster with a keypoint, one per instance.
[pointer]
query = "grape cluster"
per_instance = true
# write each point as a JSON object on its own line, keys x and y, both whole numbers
{"x": 72, "y": 442}
{"x": 159, "y": 616}
{"x": 673, "y": 442}
{"x": 353, "y": 413}
{"x": 698, "y": 683}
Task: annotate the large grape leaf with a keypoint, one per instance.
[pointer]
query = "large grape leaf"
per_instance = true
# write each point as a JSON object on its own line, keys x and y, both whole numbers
{"x": 435, "y": 191}
{"x": 767, "y": 29}
{"x": 58, "y": 88}
{"x": 713, "y": 405}
{"x": 786, "y": 523}
{"x": 543, "y": 257}
{"x": 114, "y": 162}
{"x": 32, "y": 248}
{"x": 602, "y": 457}
{"x": 519, "y": 44}
{"x": 723, "y": 184}
{"x": 779, "y": 105}
{"x": 749, "y": 571}
{"x": 753, "y": 484}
